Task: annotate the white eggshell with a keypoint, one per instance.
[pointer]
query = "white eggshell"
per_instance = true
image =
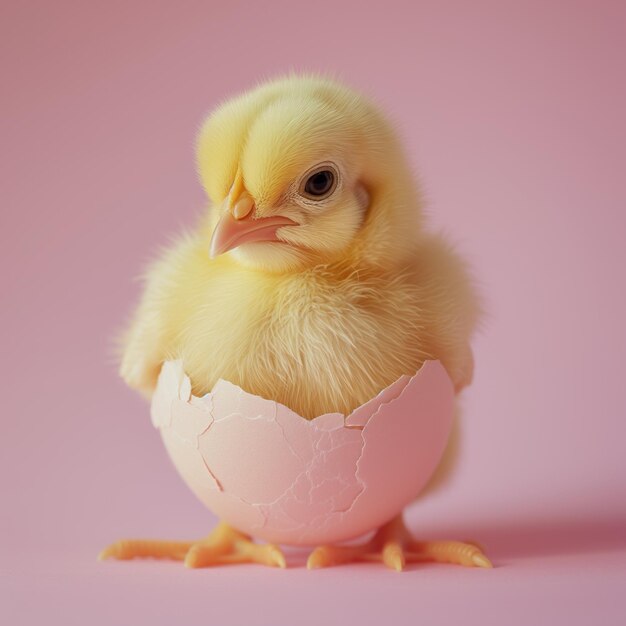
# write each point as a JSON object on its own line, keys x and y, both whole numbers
{"x": 279, "y": 477}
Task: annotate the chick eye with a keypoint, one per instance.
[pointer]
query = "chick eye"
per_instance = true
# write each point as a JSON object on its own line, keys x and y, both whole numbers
{"x": 320, "y": 184}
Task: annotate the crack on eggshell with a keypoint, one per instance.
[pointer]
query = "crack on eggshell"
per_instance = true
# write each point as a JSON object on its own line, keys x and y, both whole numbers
{"x": 228, "y": 469}
{"x": 316, "y": 464}
{"x": 372, "y": 420}
{"x": 287, "y": 441}
{"x": 218, "y": 484}
{"x": 363, "y": 414}
{"x": 397, "y": 393}
{"x": 329, "y": 503}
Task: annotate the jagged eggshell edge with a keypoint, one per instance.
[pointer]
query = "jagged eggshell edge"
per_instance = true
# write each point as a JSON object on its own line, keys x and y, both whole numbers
{"x": 271, "y": 473}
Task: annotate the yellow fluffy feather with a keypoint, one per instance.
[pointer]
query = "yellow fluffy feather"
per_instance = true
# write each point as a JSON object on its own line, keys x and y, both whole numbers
{"x": 353, "y": 295}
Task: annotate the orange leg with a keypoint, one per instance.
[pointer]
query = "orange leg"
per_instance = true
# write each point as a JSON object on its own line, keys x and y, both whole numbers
{"x": 395, "y": 547}
{"x": 223, "y": 546}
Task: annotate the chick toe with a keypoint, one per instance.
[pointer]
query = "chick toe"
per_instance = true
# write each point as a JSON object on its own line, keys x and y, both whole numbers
{"x": 224, "y": 546}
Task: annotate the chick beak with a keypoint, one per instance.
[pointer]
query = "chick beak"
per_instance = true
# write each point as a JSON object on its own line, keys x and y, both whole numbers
{"x": 237, "y": 226}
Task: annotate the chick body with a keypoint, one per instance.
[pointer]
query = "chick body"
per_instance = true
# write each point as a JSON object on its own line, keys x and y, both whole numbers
{"x": 322, "y": 340}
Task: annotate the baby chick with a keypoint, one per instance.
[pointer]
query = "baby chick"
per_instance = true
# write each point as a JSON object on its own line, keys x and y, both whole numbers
{"x": 310, "y": 281}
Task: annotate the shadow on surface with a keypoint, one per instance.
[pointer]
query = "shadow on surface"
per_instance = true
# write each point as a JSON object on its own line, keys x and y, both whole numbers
{"x": 539, "y": 537}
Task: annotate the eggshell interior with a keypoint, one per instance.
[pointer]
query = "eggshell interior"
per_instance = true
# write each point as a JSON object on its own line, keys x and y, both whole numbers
{"x": 273, "y": 474}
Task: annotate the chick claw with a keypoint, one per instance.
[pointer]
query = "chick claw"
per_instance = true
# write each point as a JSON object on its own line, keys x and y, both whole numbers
{"x": 394, "y": 546}
{"x": 223, "y": 546}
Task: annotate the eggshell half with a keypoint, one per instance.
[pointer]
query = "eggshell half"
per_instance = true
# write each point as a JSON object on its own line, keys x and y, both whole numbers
{"x": 279, "y": 477}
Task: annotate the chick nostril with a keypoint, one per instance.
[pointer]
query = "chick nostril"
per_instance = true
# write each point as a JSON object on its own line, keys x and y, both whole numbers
{"x": 242, "y": 208}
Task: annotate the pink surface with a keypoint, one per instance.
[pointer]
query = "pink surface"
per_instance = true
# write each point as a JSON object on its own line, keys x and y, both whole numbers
{"x": 513, "y": 114}
{"x": 271, "y": 473}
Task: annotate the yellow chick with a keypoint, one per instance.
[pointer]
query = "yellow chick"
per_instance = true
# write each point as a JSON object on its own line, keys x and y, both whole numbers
{"x": 310, "y": 281}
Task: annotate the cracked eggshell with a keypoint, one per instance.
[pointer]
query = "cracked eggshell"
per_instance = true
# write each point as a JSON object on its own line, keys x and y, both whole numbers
{"x": 271, "y": 473}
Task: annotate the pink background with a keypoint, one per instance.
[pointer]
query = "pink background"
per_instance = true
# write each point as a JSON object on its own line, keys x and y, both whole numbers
{"x": 513, "y": 114}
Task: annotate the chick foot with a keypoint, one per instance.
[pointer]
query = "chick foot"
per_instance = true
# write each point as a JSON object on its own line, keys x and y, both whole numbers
{"x": 223, "y": 546}
{"x": 395, "y": 547}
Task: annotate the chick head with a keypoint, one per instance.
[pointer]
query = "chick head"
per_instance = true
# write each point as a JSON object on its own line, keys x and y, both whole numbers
{"x": 303, "y": 171}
